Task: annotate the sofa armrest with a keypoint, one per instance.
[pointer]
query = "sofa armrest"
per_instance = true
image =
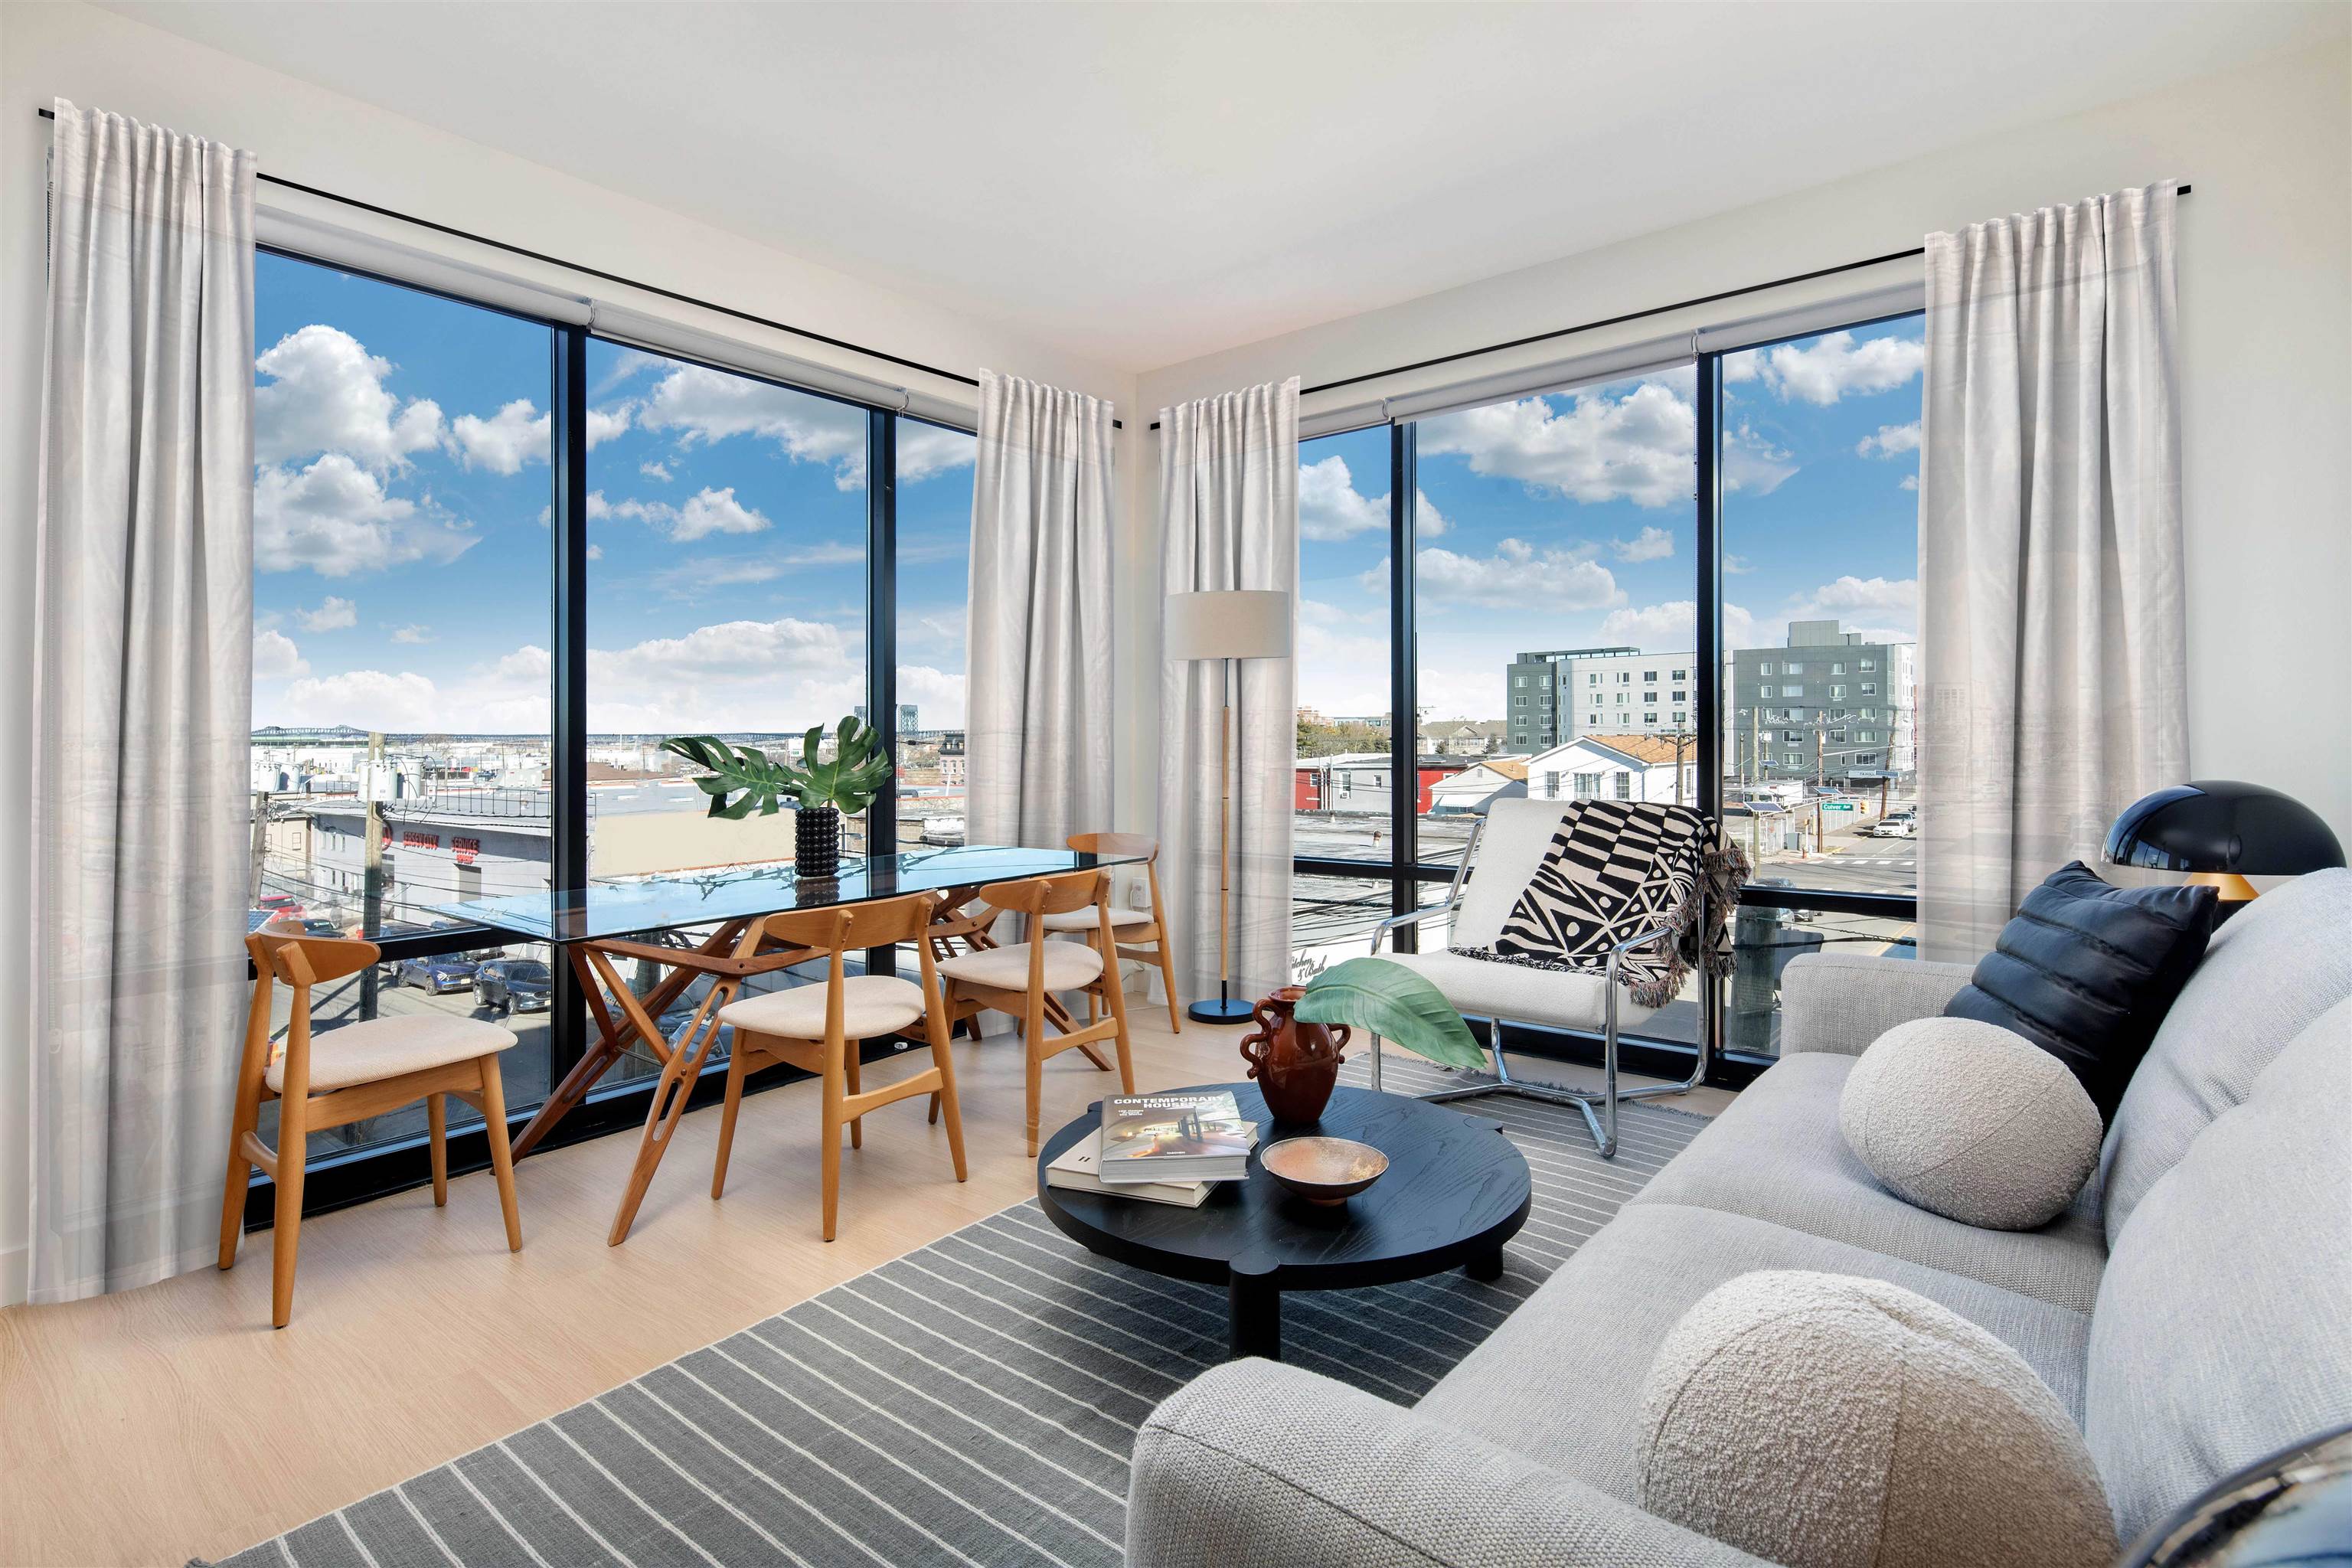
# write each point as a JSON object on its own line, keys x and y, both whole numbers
{"x": 1840, "y": 1002}
{"x": 1258, "y": 1462}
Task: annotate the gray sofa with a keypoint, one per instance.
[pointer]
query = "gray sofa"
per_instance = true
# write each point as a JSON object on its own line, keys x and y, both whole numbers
{"x": 2193, "y": 1310}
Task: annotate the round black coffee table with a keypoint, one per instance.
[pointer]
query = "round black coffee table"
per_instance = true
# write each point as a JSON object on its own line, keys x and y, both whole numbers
{"x": 1454, "y": 1191}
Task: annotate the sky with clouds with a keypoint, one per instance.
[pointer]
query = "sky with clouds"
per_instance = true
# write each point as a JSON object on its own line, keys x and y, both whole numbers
{"x": 402, "y": 570}
{"x": 1567, "y": 521}
{"x": 402, "y": 565}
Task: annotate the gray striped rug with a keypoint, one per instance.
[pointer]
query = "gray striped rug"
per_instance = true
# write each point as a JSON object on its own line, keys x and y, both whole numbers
{"x": 972, "y": 1401}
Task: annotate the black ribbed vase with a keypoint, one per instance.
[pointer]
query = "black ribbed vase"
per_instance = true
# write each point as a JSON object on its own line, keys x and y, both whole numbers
{"x": 816, "y": 841}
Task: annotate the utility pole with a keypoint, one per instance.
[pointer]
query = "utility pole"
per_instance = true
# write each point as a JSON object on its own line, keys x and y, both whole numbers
{"x": 372, "y": 867}
{"x": 260, "y": 848}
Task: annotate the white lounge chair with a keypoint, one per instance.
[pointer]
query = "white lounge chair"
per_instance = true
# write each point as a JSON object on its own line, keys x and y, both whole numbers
{"x": 1506, "y": 849}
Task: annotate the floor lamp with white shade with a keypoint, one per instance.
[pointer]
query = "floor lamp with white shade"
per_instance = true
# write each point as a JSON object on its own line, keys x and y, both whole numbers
{"x": 1226, "y": 624}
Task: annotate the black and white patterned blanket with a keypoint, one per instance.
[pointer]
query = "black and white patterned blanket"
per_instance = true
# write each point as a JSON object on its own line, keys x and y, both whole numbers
{"x": 1616, "y": 869}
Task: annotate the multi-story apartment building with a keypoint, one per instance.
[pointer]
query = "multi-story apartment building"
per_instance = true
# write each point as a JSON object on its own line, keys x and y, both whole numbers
{"x": 1829, "y": 708}
{"x": 1626, "y": 692}
{"x": 1537, "y": 691}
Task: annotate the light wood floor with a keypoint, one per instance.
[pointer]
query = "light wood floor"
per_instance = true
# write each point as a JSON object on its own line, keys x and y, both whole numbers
{"x": 171, "y": 1422}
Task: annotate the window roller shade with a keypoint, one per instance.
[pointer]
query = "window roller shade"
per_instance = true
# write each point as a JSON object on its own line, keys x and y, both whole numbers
{"x": 1648, "y": 356}
{"x": 318, "y": 240}
{"x": 661, "y": 336}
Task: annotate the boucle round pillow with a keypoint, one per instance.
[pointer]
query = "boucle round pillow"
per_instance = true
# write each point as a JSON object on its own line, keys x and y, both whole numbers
{"x": 1967, "y": 1119}
{"x": 1824, "y": 1421}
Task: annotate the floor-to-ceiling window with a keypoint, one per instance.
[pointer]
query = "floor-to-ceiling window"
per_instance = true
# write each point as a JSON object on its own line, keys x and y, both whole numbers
{"x": 726, "y": 563}
{"x": 400, "y": 639}
{"x": 1572, "y": 567}
{"x": 1554, "y": 606}
{"x": 415, "y": 541}
{"x": 933, "y": 587}
{"x": 1820, "y": 529}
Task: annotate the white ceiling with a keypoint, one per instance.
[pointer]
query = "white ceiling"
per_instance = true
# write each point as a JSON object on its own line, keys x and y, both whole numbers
{"x": 1146, "y": 183}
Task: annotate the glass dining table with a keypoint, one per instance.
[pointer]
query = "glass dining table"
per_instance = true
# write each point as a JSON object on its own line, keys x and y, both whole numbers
{"x": 721, "y": 913}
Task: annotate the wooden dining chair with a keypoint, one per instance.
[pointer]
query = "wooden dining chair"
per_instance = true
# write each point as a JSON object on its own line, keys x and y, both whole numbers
{"x": 817, "y": 1028}
{"x": 1018, "y": 978}
{"x": 345, "y": 1075}
{"x": 1143, "y": 933}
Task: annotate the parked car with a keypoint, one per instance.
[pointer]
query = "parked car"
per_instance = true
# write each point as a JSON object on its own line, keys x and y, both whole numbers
{"x": 446, "y": 973}
{"x": 1894, "y": 827}
{"x": 318, "y": 926}
{"x": 278, "y": 904}
{"x": 513, "y": 985}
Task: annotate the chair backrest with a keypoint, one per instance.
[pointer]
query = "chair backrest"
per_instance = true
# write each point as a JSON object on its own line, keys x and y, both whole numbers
{"x": 1141, "y": 844}
{"x": 1055, "y": 895}
{"x": 844, "y": 926}
{"x": 280, "y": 951}
{"x": 1511, "y": 850}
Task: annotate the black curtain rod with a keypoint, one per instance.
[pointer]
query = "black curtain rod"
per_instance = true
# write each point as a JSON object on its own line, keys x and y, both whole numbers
{"x": 1619, "y": 321}
{"x": 616, "y": 277}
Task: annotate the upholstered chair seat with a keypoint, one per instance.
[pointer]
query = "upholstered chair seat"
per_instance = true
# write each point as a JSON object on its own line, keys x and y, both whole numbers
{"x": 1069, "y": 966}
{"x": 386, "y": 1048}
{"x": 871, "y": 1005}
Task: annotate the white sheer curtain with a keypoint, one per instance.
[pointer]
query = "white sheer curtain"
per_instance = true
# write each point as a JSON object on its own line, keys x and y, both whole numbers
{"x": 143, "y": 698}
{"x": 1229, "y": 519}
{"x": 2052, "y": 641}
{"x": 1038, "y": 761}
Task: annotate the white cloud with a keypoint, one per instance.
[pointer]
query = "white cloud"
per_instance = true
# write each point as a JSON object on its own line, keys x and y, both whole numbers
{"x": 1908, "y": 482}
{"x": 1639, "y": 446}
{"x": 761, "y": 675}
{"x": 925, "y": 450}
{"x": 1515, "y": 576}
{"x": 517, "y": 434}
{"x": 1745, "y": 365}
{"x": 1331, "y": 506}
{"x": 595, "y": 552}
{"x": 412, "y": 634}
{"x": 938, "y": 696}
{"x": 1737, "y": 566}
{"x": 1835, "y": 364}
{"x": 1753, "y": 463}
{"x": 655, "y": 471}
{"x": 626, "y": 364}
{"x": 712, "y": 512}
{"x": 1672, "y": 626}
{"x": 705, "y": 405}
{"x": 331, "y": 616}
{"x": 368, "y": 699}
{"x": 1891, "y": 440}
{"x": 604, "y": 424}
{"x": 1650, "y": 544}
{"x": 275, "y": 657}
{"x": 334, "y": 518}
{"x": 1884, "y": 607}
{"x": 327, "y": 395}
{"x": 706, "y": 512}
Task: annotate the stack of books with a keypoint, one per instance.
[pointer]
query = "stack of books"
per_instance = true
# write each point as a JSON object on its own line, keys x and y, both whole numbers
{"x": 1162, "y": 1148}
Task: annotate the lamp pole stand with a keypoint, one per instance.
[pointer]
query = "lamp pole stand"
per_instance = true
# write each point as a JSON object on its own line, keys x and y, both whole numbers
{"x": 1224, "y": 1010}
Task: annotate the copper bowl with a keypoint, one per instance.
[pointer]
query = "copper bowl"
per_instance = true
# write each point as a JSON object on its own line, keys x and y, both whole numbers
{"x": 1323, "y": 1170}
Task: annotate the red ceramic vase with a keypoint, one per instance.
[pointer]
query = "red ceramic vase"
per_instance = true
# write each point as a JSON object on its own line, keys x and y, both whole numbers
{"x": 1295, "y": 1064}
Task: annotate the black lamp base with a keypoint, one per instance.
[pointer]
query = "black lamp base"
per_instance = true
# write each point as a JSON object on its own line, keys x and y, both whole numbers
{"x": 1222, "y": 1010}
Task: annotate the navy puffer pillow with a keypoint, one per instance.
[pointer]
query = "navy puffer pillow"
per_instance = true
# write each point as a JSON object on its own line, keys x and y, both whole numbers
{"x": 2087, "y": 971}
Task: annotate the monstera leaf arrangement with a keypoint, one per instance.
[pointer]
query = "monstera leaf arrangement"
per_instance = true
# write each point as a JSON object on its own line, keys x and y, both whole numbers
{"x": 1389, "y": 1000}
{"x": 741, "y": 779}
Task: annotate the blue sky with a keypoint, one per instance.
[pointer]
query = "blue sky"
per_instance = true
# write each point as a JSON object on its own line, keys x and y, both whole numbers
{"x": 1567, "y": 521}
{"x": 402, "y": 551}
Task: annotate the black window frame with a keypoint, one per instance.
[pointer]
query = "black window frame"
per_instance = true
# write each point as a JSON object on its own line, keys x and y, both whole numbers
{"x": 1406, "y": 871}
{"x": 339, "y": 1180}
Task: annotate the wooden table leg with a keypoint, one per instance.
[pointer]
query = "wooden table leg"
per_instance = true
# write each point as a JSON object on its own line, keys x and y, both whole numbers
{"x": 612, "y": 1036}
{"x": 679, "y": 1073}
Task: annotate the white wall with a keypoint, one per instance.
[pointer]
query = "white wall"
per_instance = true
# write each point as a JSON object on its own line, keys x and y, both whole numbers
{"x": 303, "y": 133}
{"x": 2266, "y": 313}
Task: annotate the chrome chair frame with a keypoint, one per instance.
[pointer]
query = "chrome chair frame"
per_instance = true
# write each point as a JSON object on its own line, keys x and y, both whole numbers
{"x": 1599, "y": 1110}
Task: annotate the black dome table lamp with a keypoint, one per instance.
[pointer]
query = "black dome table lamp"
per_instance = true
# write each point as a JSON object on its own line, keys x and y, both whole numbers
{"x": 2222, "y": 832}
